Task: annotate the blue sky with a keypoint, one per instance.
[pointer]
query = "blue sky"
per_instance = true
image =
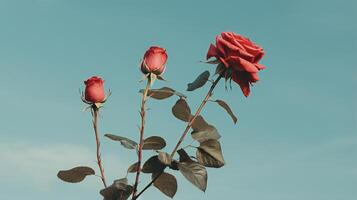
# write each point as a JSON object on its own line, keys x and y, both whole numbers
{"x": 296, "y": 134}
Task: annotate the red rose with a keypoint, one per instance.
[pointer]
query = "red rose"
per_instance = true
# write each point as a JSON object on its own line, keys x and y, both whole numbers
{"x": 154, "y": 60}
{"x": 94, "y": 92}
{"x": 240, "y": 56}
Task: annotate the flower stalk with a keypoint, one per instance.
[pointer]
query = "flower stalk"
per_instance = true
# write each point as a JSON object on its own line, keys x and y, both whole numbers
{"x": 142, "y": 130}
{"x": 95, "y": 113}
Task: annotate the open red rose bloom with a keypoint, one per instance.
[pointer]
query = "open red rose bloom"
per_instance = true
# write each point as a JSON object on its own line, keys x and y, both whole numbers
{"x": 241, "y": 56}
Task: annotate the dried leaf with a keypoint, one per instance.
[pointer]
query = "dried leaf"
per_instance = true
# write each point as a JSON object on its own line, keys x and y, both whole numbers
{"x": 199, "y": 124}
{"x": 209, "y": 154}
{"x": 226, "y": 107}
{"x": 154, "y": 143}
{"x": 199, "y": 82}
{"x": 184, "y": 157}
{"x": 133, "y": 168}
{"x": 119, "y": 190}
{"x": 181, "y": 110}
{"x": 203, "y": 131}
{"x": 166, "y": 183}
{"x": 152, "y": 165}
{"x": 165, "y": 158}
{"x": 195, "y": 173}
{"x": 75, "y": 175}
{"x": 163, "y": 93}
{"x": 126, "y": 142}
{"x": 209, "y": 133}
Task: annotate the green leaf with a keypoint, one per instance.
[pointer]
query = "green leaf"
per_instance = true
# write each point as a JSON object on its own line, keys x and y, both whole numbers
{"x": 181, "y": 110}
{"x": 152, "y": 165}
{"x": 133, "y": 168}
{"x": 126, "y": 142}
{"x": 165, "y": 158}
{"x": 154, "y": 143}
{"x": 195, "y": 173}
{"x": 203, "y": 131}
{"x": 199, "y": 82}
{"x": 226, "y": 107}
{"x": 119, "y": 190}
{"x": 209, "y": 154}
{"x": 166, "y": 183}
{"x": 75, "y": 175}
{"x": 163, "y": 93}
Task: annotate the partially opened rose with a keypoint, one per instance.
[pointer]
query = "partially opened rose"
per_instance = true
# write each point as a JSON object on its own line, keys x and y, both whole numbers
{"x": 154, "y": 60}
{"x": 241, "y": 56}
{"x": 94, "y": 91}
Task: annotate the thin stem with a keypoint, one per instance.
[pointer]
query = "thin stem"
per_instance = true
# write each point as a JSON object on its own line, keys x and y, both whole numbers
{"x": 95, "y": 112}
{"x": 189, "y": 124}
{"x": 198, "y": 112}
{"x": 141, "y": 143}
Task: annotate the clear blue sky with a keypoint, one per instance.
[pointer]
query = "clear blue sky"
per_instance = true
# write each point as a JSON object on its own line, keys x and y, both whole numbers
{"x": 296, "y": 134}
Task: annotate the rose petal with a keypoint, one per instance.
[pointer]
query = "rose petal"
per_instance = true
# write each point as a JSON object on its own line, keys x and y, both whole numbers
{"x": 259, "y": 56}
{"x": 220, "y": 46}
{"x": 242, "y": 79}
{"x": 229, "y": 36}
{"x": 235, "y": 48}
{"x": 256, "y": 51}
{"x": 226, "y": 64}
{"x": 245, "y": 43}
{"x": 241, "y": 65}
{"x": 259, "y": 66}
{"x": 253, "y": 77}
{"x": 212, "y": 52}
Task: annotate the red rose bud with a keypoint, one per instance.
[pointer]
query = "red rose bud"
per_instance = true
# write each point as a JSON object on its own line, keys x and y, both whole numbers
{"x": 94, "y": 92}
{"x": 154, "y": 60}
{"x": 241, "y": 56}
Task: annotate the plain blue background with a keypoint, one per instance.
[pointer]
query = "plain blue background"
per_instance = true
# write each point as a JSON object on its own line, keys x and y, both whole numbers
{"x": 296, "y": 134}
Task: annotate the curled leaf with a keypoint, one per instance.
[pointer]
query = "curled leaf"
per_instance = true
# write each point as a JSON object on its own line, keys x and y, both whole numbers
{"x": 203, "y": 131}
{"x": 75, "y": 175}
{"x": 184, "y": 157}
{"x": 181, "y": 110}
{"x": 195, "y": 173}
{"x": 126, "y": 142}
{"x": 199, "y": 82}
{"x": 165, "y": 158}
{"x": 119, "y": 190}
{"x": 166, "y": 183}
{"x": 226, "y": 107}
{"x": 209, "y": 154}
{"x": 154, "y": 143}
